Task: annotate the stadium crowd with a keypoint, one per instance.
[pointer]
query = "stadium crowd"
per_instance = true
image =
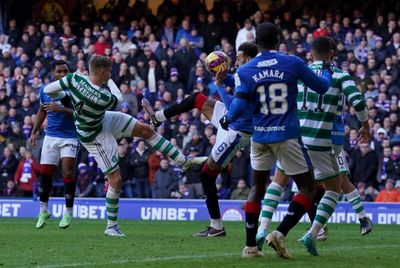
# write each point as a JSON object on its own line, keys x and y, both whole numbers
{"x": 162, "y": 57}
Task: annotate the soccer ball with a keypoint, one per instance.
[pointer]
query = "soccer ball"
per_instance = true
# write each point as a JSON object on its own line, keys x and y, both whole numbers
{"x": 214, "y": 61}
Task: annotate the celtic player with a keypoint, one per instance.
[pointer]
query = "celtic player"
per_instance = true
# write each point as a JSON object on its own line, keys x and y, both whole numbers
{"x": 317, "y": 113}
{"x": 98, "y": 129}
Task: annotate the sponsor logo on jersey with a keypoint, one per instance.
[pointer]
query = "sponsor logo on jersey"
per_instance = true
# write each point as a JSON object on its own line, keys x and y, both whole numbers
{"x": 266, "y": 63}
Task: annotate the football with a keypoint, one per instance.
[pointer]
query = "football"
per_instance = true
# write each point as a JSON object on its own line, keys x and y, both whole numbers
{"x": 214, "y": 61}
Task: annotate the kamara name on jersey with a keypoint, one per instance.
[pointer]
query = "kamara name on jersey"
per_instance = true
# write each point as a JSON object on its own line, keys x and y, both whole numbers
{"x": 86, "y": 90}
{"x": 267, "y": 74}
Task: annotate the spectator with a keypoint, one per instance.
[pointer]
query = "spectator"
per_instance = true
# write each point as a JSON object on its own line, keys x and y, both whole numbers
{"x": 389, "y": 194}
{"x": 223, "y": 192}
{"x": 166, "y": 180}
{"x": 8, "y": 166}
{"x": 393, "y": 164}
{"x": 85, "y": 184}
{"x": 11, "y": 190}
{"x": 243, "y": 35}
{"x": 364, "y": 166}
{"x": 184, "y": 192}
{"x": 140, "y": 169}
{"x": 193, "y": 176}
{"x": 26, "y": 174}
{"x": 241, "y": 192}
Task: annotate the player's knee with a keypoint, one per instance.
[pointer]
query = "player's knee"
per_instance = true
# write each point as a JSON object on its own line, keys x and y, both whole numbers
{"x": 69, "y": 176}
{"x": 143, "y": 131}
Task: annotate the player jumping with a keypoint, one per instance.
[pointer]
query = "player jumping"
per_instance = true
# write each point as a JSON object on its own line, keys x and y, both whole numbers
{"x": 267, "y": 85}
{"x": 98, "y": 128}
{"x": 227, "y": 141}
{"x": 60, "y": 144}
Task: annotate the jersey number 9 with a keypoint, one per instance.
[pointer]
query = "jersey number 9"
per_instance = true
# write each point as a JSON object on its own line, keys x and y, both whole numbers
{"x": 278, "y": 103}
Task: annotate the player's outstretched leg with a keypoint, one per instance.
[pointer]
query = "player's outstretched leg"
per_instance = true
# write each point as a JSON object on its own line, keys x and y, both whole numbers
{"x": 47, "y": 172}
{"x": 162, "y": 145}
{"x": 323, "y": 233}
{"x": 208, "y": 177}
{"x": 196, "y": 100}
{"x": 353, "y": 196}
{"x": 68, "y": 165}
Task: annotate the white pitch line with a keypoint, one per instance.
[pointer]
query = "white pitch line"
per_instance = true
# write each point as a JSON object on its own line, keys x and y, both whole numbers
{"x": 203, "y": 256}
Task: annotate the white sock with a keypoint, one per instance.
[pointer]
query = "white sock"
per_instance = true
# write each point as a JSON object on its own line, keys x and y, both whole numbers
{"x": 159, "y": 115}
{"x": 217, "y": 224}
{"x": 43, "y": 207}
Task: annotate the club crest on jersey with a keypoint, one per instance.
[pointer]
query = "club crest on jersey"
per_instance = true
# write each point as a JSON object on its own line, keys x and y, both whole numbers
{"x": 266, "y": 63}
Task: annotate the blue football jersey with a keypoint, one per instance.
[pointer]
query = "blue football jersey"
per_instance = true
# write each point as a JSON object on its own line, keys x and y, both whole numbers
{"x": 59, "y": 125}
{"x": 338, "y": 131}
{"x": 266, "y": 88}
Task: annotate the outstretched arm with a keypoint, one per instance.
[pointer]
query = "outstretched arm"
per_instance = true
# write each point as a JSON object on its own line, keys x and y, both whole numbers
{"x": 115, "y": 90}
{"x": 319, "y": 84}
{"x": 54, "y": 90}
{"x": 239, "y": 102}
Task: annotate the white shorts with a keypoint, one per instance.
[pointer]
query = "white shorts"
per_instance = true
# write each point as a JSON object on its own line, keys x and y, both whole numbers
{"x": 228, "y": 142}
{"x": 54, "y": 149}
{"x": 291, "y": 154}
{"x": 325, "y": 164}
{"x": 104, "y": 147}
{"x": 341, "y": 159}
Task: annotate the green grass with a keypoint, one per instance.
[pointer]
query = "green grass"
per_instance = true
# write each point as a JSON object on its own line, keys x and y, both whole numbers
{"x": 169, "y": 244}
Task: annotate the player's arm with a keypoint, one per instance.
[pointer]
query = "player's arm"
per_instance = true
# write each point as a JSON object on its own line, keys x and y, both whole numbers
{"x": 221, "y": 79}
{"x": 319, "y": 84}
{"x": 55, "y": 90}
{"x": 356, "y": 100}
{"x": 40, "y": 117}
{"x": 115, "y": 90}
{"x": 239, "y": 102}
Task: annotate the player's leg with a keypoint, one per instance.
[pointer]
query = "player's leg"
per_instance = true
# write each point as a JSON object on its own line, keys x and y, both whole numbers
{"x": 352, "y": 194}
{"x": 270, "y": 203}
{"x": 68, "y": 153}
{"x": 162, "y": 145}
{"x": 48, "y": 165}
{"x": 262, "y": 160}
{"x": 296, "y": 163}
{"x": 196, "y": 100}
{"x": 326, "y": 170}
{"x": 228, "y": 142}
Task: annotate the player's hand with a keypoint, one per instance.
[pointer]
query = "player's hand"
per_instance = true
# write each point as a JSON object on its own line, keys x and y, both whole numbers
{"x": 224, "y": 122}
{"x": 53, "y": 107}
{"x": 33, "y": 140}
{"x": 221, "y": 74}
{"x": 364, "y": 135}
{"x": 327, "y": 66}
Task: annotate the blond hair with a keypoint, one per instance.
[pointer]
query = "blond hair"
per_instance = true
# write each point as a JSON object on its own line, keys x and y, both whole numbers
{"x": 97, "y": 61}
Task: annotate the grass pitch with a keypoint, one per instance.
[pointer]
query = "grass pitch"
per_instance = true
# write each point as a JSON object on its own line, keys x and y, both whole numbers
{"x": 169, "y": 244}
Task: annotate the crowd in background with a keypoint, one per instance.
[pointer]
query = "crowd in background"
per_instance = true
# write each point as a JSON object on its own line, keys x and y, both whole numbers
{"x": 161, "y": 57}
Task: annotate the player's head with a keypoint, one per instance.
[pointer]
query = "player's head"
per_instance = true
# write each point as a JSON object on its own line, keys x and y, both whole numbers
{"x": 267, "y": 36}
{"x": 323, "y": 48}
{"x": 59, "y": 69}
{"x": 100, "y": 68}
{"x": 245, "y": 53}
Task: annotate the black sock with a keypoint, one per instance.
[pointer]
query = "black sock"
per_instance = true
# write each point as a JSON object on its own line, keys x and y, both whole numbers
{"x": 184, "y": 106}
{"x": 252, "y": 211}
{"x": 312, "y": 212}
{"x": 45, "y": 187}
{"x": 210, "y": 192}
{"x": 69, "y": 194}
{"x": 297, "y": 208}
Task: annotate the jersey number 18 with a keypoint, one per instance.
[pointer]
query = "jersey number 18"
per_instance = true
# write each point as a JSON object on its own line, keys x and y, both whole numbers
{"x": 278, "y": 103}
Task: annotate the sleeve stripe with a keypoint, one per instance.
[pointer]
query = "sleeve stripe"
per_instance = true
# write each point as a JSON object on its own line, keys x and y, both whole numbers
{"x": 348, "y": 83}
{"x": 62, "y": 84}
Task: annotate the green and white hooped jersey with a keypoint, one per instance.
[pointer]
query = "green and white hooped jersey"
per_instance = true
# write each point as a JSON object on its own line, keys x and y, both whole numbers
{"x": 317, "y": 112}
{"x": 90, "y": 102}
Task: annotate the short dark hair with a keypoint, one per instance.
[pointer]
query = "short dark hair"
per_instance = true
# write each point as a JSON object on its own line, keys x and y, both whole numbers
{"x": 323, "y": 45}
{"x": 267, "y": 35}
{"x": 56, "y": 63}
{"x": 249, "y": 49}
